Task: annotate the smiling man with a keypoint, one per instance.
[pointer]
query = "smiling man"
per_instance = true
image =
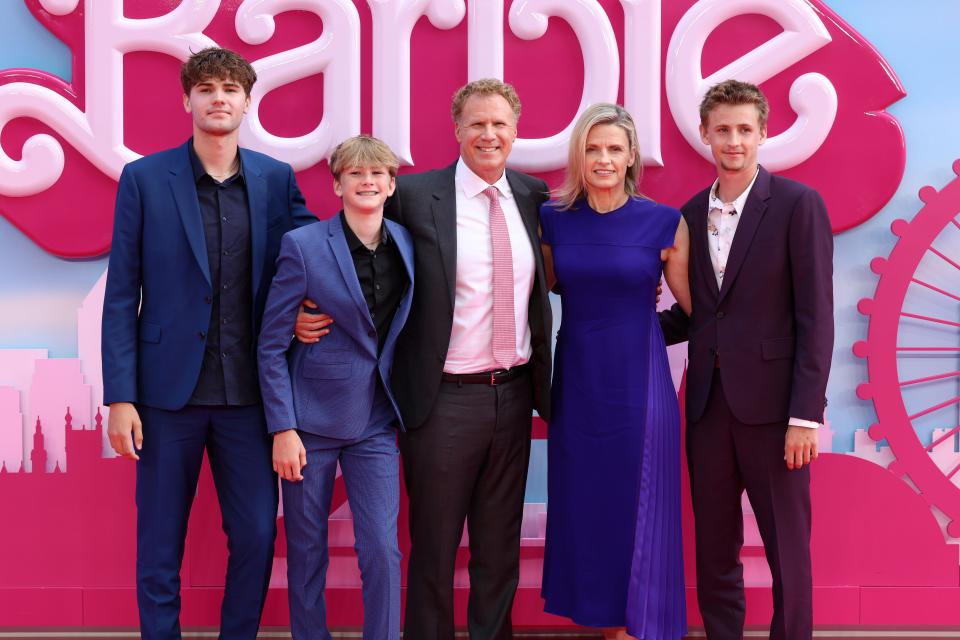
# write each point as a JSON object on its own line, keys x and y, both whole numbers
{"x": 196, "y": 233}
{"x": 760, "y": 344}
{"x": 471, "y": 364}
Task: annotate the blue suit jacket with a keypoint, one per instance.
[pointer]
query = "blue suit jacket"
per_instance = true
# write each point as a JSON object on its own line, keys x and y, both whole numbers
{"x": 326, "y": 388}
{"x": 157, "y": 306}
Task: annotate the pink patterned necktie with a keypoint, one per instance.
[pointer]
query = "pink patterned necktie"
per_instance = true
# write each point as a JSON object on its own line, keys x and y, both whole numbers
{"x": 504, "y": 322}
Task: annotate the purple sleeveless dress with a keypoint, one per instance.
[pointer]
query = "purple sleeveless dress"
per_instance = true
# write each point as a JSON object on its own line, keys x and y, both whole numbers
{"x": 613, "y": 552}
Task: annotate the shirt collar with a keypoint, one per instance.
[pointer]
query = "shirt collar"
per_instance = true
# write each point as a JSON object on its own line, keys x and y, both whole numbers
{"x": 473, "y": 185}
{"x": 739, "y": 202}
{"x": 354, "y": 243}
{"x": 198, "y": 170}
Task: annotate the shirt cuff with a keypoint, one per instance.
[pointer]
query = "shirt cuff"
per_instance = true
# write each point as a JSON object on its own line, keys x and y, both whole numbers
{"x": 809, "y": 424}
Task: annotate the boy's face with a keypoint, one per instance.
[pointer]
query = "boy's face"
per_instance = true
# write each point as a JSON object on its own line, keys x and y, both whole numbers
{"x": 217, "y": 106}
{"x": 364, "y": 189}
{"x": 734, "y": 134}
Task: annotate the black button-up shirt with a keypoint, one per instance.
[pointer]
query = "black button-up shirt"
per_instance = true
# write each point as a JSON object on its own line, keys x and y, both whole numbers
{"x": 228, "y": 375}
{"x": 383, "y": 278}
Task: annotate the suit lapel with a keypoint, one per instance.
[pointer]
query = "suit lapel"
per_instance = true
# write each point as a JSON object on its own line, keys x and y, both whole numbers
{"x": 527, "y": 207}
{"x": 444, "y": 208}
{"x": 406, "y": 255}
{"x": 750, "y": 217}
{"x": 700, "y": 244}
{"x": 530, "y": 214}
{"x": 257, "y": 202}
{"x": 338, "y": 244}
{"x": 184, "y": 188}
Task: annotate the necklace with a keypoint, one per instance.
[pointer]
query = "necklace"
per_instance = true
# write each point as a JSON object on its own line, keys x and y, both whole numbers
{"x": 234, "y": 167}
{"x": 373, "y": 243}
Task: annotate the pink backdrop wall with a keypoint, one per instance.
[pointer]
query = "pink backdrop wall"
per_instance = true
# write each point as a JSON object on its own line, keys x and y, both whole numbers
{"x": 881, "y": 556}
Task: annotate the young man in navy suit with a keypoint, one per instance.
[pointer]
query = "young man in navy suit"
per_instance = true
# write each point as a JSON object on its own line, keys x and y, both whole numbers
{"x": 330, "y": 402}
{"x": 760, "y": 345}
{"x": 196, "y": 234}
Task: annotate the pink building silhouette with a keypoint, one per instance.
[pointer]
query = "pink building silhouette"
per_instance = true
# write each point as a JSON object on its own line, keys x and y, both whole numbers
{"x": 89, "y": 317}
{"x": 16, "y": 372}
{"x": 58, "y": 383}
{"x": 11, "y": 439}
{"x": 38, "y": 454}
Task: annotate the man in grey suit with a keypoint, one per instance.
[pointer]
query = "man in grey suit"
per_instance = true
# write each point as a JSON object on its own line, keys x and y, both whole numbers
{"x": 471, "y": 364}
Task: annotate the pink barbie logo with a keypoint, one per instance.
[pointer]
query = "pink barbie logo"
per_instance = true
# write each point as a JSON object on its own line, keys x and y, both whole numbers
{"x": 329, "y": 69}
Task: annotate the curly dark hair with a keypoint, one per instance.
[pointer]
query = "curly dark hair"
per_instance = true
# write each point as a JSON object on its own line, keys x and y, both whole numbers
{"x": 216, "y": 63}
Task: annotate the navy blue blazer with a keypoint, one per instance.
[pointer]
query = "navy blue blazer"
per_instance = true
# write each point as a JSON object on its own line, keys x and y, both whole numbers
{"x": 156, "y": 310}
{"x": 326, "y": 388}
{"x": 771, "y": 325}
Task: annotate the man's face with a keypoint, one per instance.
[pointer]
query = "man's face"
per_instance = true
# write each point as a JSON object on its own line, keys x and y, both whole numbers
{"x": 364, "y": 189}
{"x": 486, "y": 131}
{"x": 734, "y": 134}
{"x": 217, "y": 106}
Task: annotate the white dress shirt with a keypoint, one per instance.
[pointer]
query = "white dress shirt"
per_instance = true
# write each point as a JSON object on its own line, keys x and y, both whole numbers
{"x": 471, "y": 339}
{"x": 721, "y": 228}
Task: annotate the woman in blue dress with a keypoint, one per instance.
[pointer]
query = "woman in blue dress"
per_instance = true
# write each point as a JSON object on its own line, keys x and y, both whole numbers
{"x": 613, "y": 555}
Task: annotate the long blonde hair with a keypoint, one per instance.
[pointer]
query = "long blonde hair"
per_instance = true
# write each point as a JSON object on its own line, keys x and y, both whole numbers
{"x": 574, "y": 184}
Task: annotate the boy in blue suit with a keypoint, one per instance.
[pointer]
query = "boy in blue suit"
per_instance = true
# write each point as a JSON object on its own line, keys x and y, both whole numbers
{"x": 331, "y": 402}
{"x": 196, "y": 233}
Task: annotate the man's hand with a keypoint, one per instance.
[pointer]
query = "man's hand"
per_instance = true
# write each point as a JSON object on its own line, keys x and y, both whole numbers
{"x": 289, "y": 455}
{"x": 311, "y": 326}
{"x": 800, "y": 447}
{"x": 125, "y": 430}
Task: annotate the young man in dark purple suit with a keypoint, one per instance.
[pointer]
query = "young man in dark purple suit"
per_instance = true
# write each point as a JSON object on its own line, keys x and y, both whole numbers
{"x": 760, "y": 343}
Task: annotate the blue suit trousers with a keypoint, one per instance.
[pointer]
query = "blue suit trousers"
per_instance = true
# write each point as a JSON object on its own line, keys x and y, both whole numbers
{"x": 239, "y": 449}
{"x": 370, "y": 469}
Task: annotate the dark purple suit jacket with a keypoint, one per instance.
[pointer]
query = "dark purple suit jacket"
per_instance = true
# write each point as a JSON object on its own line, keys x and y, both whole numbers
{"x": 771, "y": 325}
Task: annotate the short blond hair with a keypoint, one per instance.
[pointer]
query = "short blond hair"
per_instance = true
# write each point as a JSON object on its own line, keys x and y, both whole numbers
{"x": 485, "y": 87}
{"x": 363, "y": 151}
{"x": 574, "y": 184}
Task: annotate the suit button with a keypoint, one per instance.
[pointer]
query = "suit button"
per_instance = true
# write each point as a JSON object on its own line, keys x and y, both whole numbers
{"x": 201, "y": 334}
{"x": 720, "y": 315}
{"x": 372, "y": 333}
{"x": 207, "y": 299}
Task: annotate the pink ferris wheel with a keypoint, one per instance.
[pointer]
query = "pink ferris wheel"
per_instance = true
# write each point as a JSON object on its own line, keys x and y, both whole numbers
{"x": 913, "y": 349}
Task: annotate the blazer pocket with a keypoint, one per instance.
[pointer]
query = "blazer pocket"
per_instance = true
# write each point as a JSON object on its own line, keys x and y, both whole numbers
{"x": 315, "y": 369}
{"x": 149, "y": 332}
{"x": 777, "y": 348}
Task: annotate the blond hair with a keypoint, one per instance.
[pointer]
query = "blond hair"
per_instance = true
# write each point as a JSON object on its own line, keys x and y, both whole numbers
{"x": 734, "y": 92}
{"x": 574, "y": 184}
{"x": 485, "y": 87}
{"x": 363, "y": 151}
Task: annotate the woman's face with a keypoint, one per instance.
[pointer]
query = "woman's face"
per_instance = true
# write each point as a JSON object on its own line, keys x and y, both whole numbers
{"x": 606, "y": 158}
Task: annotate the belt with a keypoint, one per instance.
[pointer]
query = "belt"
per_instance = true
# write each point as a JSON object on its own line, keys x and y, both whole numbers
{"x": 491, "y": 378}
